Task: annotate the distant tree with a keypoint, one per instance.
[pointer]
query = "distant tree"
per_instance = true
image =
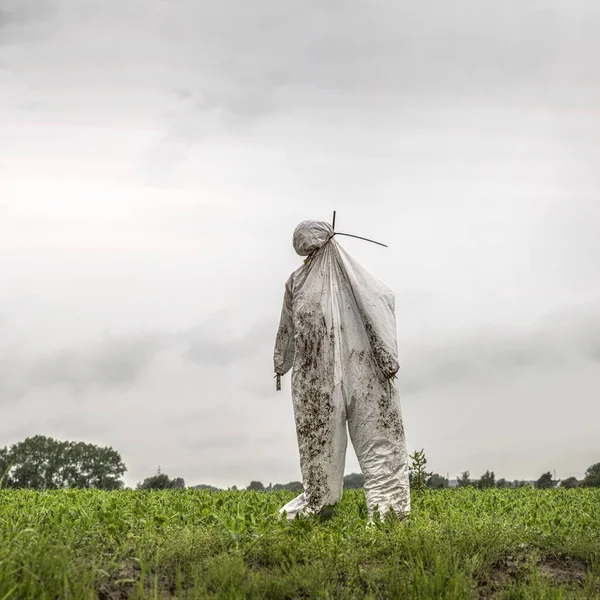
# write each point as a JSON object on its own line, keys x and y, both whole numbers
{"x": 91, "y": 466}
{"x": 210, "y": 488}
{"x": 545, "y": 481}
{"x": 516, "y": 484}
{"x": 256, "y": 486}
{"x": 161, "y": 481}
{"x": 592, "y": 476}
{"x": 354, "y": 481}
{"x": 463, "y": 480}
{"x": 292, "y": 486}
{"x": 502, "y": 484}
{"x": 437, "y": 482}
{"x": 488, "y": 480}
{"x": 43, "y": 463}
{"x": 4, "y": 467}
{"x": 570, "y": 482}
{"x": 418, "y": 473}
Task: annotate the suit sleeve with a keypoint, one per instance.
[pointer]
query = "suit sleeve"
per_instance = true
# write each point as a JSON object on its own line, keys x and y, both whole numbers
{"x": 284, "y": 343}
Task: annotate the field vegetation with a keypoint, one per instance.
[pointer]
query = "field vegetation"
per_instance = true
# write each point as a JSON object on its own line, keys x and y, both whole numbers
{"x": 462, "y": 543}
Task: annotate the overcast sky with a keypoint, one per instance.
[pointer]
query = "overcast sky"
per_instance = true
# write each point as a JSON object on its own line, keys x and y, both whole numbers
{"x": 156, "y": 155}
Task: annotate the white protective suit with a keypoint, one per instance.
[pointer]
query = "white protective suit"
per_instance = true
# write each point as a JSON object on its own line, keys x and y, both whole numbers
{"x": 338, "y": 332}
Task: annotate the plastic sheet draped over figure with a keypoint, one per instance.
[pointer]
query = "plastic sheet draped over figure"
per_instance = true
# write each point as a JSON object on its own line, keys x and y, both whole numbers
{"x": 338, "y": 333}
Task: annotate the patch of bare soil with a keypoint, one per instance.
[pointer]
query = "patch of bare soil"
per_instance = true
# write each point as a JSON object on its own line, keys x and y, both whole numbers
{"x": 505, "y": 572}
{"x": 563, "y": 571}
{"x": 510, "y": 570}
{"x": 120, "y": 585}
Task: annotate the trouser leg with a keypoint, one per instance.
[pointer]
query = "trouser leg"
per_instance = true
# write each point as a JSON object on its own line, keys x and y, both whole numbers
{"x": 322, "y": 441}
{"x": 377, "y": 434}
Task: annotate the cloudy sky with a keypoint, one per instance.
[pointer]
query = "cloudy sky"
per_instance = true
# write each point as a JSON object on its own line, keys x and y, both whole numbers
{"x": 156, "y": 155}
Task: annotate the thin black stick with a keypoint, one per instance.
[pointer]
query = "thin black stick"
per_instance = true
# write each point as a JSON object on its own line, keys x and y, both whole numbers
{"x": 362, "y": 238}
{"x": 334, "y": 220}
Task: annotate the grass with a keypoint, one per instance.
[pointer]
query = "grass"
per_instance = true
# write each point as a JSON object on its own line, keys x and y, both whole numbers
{"x": 504, "y": 544}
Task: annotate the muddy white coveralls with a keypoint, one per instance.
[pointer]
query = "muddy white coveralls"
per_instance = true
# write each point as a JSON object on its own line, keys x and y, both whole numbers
{"x": 338, "y": 332}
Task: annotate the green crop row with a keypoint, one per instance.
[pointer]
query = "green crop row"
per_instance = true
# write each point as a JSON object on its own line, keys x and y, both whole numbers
{"x": 465, "y": 543}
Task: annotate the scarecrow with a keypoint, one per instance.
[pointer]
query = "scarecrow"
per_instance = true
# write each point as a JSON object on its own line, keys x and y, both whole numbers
{"x": 338, "y": 336}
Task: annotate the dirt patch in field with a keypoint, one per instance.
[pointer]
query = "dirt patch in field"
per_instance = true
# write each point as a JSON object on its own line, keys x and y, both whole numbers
{"x": 504, "y": 573}
{"x": 121, "y": 584}
{"x": 563, "y": 571}
{"x": 510, "y": 570}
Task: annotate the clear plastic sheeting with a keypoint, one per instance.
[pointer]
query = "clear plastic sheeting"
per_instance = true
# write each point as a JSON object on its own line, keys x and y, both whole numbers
{"x": 338, "y": 334}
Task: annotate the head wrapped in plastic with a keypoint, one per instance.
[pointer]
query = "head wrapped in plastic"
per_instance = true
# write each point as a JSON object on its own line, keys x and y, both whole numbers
{"x": 311, "y": 236}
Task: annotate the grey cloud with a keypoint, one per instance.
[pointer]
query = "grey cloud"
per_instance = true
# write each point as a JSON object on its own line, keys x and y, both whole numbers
{"x": 193, "y": 415}
{"x": 79, "y": 422}
{"x": 17, "y": 15}
{"x": 73, "y": 424}
{"x": 222, "y": 348}
{"x": 119, "y": 360}
{"x": 199, "y": 116}
{"x": 11, "y": 379}
{"x": 253, "y": 59}
{"x": 5, "y": 18}
{"x": 238, "y": 63}
{"x": 482, "y": 357}
{"x": 462, "y": 134}
{"x": 556, "y": 343}
{"x": 223, "y": 441}
{"x": 403, "y": 47}
{"x": 235, "y": 440}
{"x": 115, "y": 361}
{"x": 374, "y": 56}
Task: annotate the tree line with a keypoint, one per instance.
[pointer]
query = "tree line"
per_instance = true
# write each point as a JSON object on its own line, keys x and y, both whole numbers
{"x": 43, "y": 463}
{"x": 435, "y": 481}
{"x": 545, "y": 481}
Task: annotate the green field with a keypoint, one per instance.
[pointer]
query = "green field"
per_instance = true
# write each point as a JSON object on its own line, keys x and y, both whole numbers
{"x": 457, "y": 544}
